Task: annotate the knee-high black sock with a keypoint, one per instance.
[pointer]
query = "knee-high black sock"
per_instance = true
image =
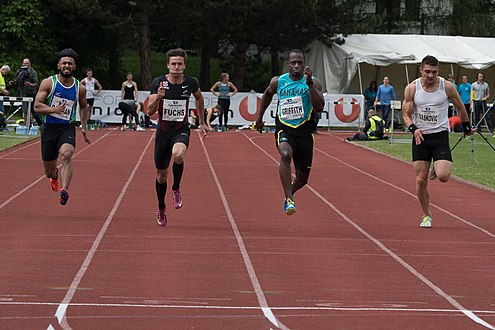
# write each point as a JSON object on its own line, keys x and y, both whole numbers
{"x": 177, "y": 170}
{"x": 161, "y": 190}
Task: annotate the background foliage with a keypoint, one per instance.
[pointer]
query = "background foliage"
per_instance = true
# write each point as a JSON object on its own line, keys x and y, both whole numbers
{"x": 247, "y": 38}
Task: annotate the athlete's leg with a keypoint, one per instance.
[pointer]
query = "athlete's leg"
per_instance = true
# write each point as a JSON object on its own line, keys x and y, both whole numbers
{"x": 421, "y": 169}
{"x": 443, "y": 169}
{"x": 178, "y": 151}
{"x": 300, "y": 181}
{"x": 161, "y": 186}
{"x": 285, "y": 151}
{"x": 66, "y": 151}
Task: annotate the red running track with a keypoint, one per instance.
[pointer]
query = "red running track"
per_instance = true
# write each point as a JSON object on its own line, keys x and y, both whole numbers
{"x": 352, "y": 257}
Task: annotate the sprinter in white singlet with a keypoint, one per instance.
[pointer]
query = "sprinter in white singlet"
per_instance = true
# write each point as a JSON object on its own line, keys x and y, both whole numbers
{"x": 425, "y": 112}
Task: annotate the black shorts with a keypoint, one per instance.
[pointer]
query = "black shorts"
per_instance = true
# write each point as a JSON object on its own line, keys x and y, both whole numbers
{"x": 90, "y": 101}
{"x": 52, "y": 138}
{"x": 302, "y": 148}
{"x": 434, "y": 146}
{"x": 164, "y": 142}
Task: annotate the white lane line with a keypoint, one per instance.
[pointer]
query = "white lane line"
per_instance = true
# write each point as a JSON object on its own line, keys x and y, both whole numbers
{"x": 245, "y": 255}
{"x": 218, "y": 307}
{"x": 11, "y": 198}
{"x": 27, "y": 145}
{"x": 404, "y": 264}
{"x": 409, "y": 193}
{"x": 62, "y": 308}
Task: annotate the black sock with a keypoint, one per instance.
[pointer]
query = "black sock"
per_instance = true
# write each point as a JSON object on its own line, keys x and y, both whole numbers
{"x": 177, "y": 170}
{"x": 161, "y": 190}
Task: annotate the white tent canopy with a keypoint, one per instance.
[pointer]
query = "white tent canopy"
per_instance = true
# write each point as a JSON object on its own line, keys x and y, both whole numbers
{"x": 367, "y": 57}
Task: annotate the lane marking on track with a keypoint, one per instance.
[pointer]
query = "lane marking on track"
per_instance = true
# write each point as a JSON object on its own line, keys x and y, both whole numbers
{"x": 27, "y": 145}
{"x": 382, "y": 246}
{"x": 218, "y": 307}
{"x": 11, "y": 198}
{"x": 62, "y": 308}
{"x": 240, "y": 243}
{"x": 409, "y": 193}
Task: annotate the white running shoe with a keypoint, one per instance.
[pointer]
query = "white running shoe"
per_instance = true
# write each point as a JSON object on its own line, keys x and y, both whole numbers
{"x": 139, "y": 128}
{"x": 426, "y": 222}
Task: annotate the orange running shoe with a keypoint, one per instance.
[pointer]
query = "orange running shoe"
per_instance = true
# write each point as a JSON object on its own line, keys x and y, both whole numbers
{"x": 54, "y": 184}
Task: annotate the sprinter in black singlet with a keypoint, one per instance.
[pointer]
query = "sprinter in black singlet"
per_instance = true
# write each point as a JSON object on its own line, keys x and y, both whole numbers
{"x": 169, "y": 97}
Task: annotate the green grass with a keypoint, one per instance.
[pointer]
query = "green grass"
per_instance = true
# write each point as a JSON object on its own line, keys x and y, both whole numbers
{"x": 474, "y": 159}
{"x": 10, "y": 139}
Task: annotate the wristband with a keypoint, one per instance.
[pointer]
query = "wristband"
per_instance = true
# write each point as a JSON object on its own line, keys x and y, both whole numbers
{"x": 466, "y": 126}
{"x": 412, "y": 128}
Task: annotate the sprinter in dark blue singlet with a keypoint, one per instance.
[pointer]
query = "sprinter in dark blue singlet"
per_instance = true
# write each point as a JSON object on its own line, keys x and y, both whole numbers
{"x": 57, "y": 100}
{"x": 299, "y": 96}
{"x": 169, "y": 97}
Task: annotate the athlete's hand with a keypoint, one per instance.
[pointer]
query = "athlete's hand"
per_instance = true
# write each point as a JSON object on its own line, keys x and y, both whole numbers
{"x": 161, "y": 90}
{"x": 86, "y": 138}
{"x": 60, "y": 108}
{"x": 418, "y": 136}
{"x": 308, "y": 74}
{"x": 259, "y": 125}
{"x": 204, "y": 129}
{"x": 471, "y": 132}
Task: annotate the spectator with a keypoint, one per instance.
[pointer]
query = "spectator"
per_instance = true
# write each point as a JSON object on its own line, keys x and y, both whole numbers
{"x": 450, "y": 77}
{"x": 480, "y": 92}
{"x": 222, "y": 89}
{"x": 90, "y": 84}
{"x": 27, "y": 86}
{"x": 455, "y": 124}
{"x": 130, "y": 108}
{"x": 373, "y": 129}
{"x": 211, "y": 113}
{"x": 129, "y": 91}
{"x": 5, "y": 70}
{"x": 370, "y": 95}
{"x": 384, "y": 95}
{"x": 369, "y": 98}
{"x": 464, "y": 90}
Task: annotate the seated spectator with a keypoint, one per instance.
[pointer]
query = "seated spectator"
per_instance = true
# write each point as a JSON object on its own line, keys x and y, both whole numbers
{"x": 455, "y": 124}
{"x": 372, "y": 130}
{"x": 211, "y": 113}
{"x": 130, "y": 108}
{"x": 3, "y": 122}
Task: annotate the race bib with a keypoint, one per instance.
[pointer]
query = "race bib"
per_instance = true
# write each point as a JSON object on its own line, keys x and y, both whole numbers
{"x": 68, "y": 105}
{"x": 428, "y": 115}
{"x": 174, "y": 110}
{"x": 291, "y": 108}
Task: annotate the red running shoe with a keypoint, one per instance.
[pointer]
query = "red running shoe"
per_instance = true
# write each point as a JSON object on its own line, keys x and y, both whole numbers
{"x": 54, "y": 184}
{"x": 177, "y": 199}
{"x": 161, "y": 217}
{"x": 64, "y": 196}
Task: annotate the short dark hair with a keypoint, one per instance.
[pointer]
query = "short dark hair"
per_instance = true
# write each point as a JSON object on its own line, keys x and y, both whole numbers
{"x": 429, "y": 60}
{"x": 176, "y": 52}
{"x": 68, "y": 52}
{"x": 297, "y": 51}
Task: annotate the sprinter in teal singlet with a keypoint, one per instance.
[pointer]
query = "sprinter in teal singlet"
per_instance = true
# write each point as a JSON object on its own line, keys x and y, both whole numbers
{"x": 57, "y": 100}
{"x": 299, "y": 96}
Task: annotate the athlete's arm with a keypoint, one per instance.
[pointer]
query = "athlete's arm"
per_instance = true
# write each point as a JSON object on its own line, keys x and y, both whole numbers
{"x": 200, "y": 106}
{"x": 39, "y": 101}
{"x": 455, "y": 98}
{"x": 234, "y": 88}
{"x": 122, "y": 90}
{"x": 100, "y": 87}
{"x": 315, "y": 94}
{"x": 136, "y": 94}
{"x": 408, "y": 110}
{"x": 214, "y": 87}
{"x": 83, "y": 112}
{"x": 266, "y": 99}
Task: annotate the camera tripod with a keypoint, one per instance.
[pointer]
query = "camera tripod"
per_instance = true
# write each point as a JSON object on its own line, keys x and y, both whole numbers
{"x": 483, "y": 118}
